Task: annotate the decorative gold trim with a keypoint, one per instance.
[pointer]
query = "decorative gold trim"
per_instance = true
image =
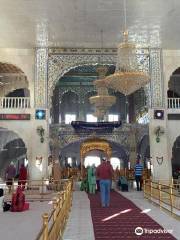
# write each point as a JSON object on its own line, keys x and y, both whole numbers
{"x": 95, "y": 144}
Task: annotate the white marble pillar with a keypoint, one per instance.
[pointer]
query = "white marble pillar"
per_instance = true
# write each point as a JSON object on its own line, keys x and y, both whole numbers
{"x": 162, "y": 169}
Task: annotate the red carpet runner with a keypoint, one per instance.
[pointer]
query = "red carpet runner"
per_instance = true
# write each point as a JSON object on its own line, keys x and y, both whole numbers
{"x": 120, "y": 220}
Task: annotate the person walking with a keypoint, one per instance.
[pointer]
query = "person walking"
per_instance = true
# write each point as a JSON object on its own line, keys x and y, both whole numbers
{"x": 92, "y": 179}
{"x": 105, "y": 172}
{"x": 109, "y": 162}
{"x": 138, "y": 175}
{"x": 22, "y": 176}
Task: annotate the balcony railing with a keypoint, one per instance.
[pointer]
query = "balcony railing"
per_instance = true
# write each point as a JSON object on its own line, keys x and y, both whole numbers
{"x": 14, "y": 102}
{"x": 174, "y": 103}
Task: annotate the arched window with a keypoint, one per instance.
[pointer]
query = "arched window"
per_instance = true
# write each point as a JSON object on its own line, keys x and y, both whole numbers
{"x": 90, "y": 160}
{"x": 115, "y": 162}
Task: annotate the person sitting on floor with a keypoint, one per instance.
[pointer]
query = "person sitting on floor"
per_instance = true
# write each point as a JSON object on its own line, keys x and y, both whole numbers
{"x": 1, "y": 199}
{"x": 4, "y": 206}
{"x": 84, "y": 185}
{"x": 123, "y": 183}
{"x": 18, "y": 201}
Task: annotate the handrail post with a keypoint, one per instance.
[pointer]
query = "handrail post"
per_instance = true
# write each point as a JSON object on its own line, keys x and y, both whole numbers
{"x": 172, "y": 181}
{"x": 144, "y": 188}
{"x": 151, "y": 190}
{"x": 42, "y": 190}
{"x": 55, "y": 209}
{"x": 45, "y": 224}
{"x": 160, "y": 195}
{"x": 171, "y": 198}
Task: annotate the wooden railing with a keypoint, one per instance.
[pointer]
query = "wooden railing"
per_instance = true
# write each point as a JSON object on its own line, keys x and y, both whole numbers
{"x": 53, "y": 225}
{"x": 15, "y": 102}
{"x": 174, "y": 103}
{"x": 167, "y": 196}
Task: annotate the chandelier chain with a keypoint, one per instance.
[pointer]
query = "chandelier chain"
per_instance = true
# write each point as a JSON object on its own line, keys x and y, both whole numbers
{"x": 125, "y": 16}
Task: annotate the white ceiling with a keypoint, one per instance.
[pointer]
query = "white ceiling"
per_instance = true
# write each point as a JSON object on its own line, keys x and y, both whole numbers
{"x": 78, "y": 23}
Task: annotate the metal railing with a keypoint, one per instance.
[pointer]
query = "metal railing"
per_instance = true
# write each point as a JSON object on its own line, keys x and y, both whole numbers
{"x": 174, "y": 103}
{"x": 167, "y": 196}
{"x": 34, "y": 190}
{"x": 54, "y": 224}
{"x": 15, "y": 102}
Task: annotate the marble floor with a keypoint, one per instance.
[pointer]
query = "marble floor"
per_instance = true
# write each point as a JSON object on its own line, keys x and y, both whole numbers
{"x": 80, "y": 226}
{"x": 23, "y": 225}
{"x": 26, "y": 225}
{"x": 163, "y": 218}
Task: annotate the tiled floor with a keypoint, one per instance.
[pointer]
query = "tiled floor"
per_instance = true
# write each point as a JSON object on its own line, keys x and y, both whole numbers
{"x": 26, "y": 225}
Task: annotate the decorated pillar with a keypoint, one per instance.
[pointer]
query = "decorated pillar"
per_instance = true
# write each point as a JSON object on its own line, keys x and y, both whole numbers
{"x": 41, "y": 78}
{"x": 40, "y": 141}
{"x": 161, "y": 165}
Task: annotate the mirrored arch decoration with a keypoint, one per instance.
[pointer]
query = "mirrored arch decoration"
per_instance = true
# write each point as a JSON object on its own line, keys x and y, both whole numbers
{"x": 61, "y": 64}
{"x": 95, "y": 144}
{"x": 64, "y": 135}
{"x": 53, "y": 63}
{"x": 81, "y": 92}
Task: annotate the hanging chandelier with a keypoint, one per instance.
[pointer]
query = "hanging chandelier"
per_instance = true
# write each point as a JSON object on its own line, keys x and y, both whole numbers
{"x": 102, "y": 101}
{"x": 127, "y": 77}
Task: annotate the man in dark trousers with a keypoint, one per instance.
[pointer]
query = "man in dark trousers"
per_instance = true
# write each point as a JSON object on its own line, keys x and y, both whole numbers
{"x": 105, "y": 172}
{"x": 138, "y": 175}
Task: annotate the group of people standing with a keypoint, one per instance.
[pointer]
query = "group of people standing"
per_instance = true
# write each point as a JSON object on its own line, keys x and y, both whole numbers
{"x": 102, "y": 178}
{"x": 10, "y": 175}
{"x": 18, "y": 203}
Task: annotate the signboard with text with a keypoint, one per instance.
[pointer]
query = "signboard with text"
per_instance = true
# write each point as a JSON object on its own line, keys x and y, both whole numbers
{"x": 15, "y": 116}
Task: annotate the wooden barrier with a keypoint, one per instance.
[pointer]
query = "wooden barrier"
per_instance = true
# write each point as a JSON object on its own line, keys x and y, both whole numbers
{"x": 54, "y": 224}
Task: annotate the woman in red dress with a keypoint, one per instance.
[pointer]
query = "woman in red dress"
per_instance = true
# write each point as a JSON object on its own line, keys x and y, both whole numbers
{"x": 22, "y": 176}
{"x": 18, "y": 201}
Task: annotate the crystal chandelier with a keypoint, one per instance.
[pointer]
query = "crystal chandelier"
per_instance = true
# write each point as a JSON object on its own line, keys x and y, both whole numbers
{"x": 127, "y": 77}
{"x": 102, "y": 101}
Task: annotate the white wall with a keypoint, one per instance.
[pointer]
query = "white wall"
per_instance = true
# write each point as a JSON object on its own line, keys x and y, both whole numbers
{"x": 27, "y": 130}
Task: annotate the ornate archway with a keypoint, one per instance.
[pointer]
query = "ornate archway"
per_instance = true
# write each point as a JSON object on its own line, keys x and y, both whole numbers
{"x": 57, "y": 67}
{"x": 53, "y": 63}
{"x": 94, "y": 144}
